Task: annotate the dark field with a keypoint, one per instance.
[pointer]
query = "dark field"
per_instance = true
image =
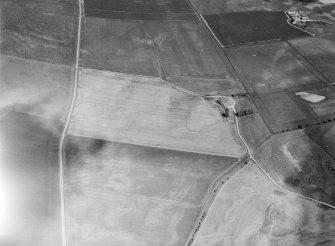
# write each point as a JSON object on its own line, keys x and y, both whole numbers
{"x": 66, "y": 7}
{"x": 35, "y": 87}
{"x": 297, "y": 163}
{"x": 124, "y": 194}
{"x": 271, "y": 67}
{"x": 191, "y": 59}
{"x": 144, "y": 6}
{"x": 117, "y": 50}
{"x": 38, "y": 36}
{"x": 324, "y": 135}
{"x": 313, "y": 8}
{"x": 248, "y": 27}
{"x": 29, "y": 183}
{"x": 253, "y": 130}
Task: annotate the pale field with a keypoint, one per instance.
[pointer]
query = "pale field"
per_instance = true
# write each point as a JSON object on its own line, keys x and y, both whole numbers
{"x": 34, "y": 87}
{"x": 147, "y": 111}
{"x": 250, "y": 211}
{"x": 122, "y": 194}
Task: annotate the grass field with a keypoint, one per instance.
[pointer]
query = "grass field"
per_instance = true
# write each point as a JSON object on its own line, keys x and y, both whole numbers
{"x": 320, "y": 51}
{"x": 297, "y": 163}
{"x": 29, "y": 187}
{"x": 191, "y": 58}
{"x": 122, "y": 47}
{"x": 147, "y": 111}
{"x": 271, "y": 67}
{"x": 38, "y": 36}
{"x": 313, "y": 9}
{"x": 253, "y": 130}
{"x": 124, "y": 194}
{"x": 144, "y": 6}
{"x": 34, "y": 87}
{"x": 246, "y": 27}
{"x": 250, "y": 211}
{"x": 66, "y": 7}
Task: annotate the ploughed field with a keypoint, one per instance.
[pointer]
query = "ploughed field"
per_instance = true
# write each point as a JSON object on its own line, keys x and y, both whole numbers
{"x": 247, "y": 27}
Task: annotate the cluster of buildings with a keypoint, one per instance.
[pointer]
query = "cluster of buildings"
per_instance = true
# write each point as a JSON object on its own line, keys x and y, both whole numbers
{"x": 296, "y": 18}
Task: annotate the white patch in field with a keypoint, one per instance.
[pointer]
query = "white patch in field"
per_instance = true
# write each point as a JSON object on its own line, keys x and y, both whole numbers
{"x": 327, "y": 1}
{"x": 314, "y": 98}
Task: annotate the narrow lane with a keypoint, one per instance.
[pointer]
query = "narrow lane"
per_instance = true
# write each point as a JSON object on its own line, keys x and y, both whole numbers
{"x": 66, "y": 126}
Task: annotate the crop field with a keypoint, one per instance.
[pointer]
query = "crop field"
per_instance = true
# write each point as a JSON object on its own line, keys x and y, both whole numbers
{"x": 247, "y": 27}
{"x": 253, "y": 130}
{"x": 38, "y": 36}
{"x": 324, "y": 135}
{"x": 64, "y": 7}
{"x": 191, "y": 58}
{"x": 271, "y": 67}
{"x": 320, "y": 52}
{"x": 143, "y": 6}
{"x": 147, "y": 111}
{"x": 274, "y": 75}
{"x": 297, "y": 163}
{"x": 313, "y": 9}
{"x": 123, "y": 47}
{"x": 124, "y": 194}
{"x": 29, "y": 185}
{"x": 34, "y": 87}
{"x": 249, "y": 210}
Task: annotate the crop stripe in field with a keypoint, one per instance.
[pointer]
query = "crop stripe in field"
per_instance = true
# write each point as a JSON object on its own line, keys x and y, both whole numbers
{"x": 66, "y": 126}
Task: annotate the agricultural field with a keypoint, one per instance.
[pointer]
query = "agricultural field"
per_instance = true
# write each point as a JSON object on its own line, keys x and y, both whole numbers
{"x": 249, "y": 210}
{"x": 116, "y": 50}
{"x": 147, "y": 111}
{"x": 29, "y": 181}
{"x": 298, "y": 164}
{"x": 124, "y": 194}
{"x": 249, "y": 27}
{"x": 142, "y": 6}
{"x": 319, "y": 50}
{"x": 285, "y": 91}
{"x": 253, "y": 130}
{"x": 38, "y": 36}
{"x": 271, "y": 67}
{"x": 324, "y": 135}
{"x": 34, "y": 87}
{"x": 191, "y": 58}
{"x": 315, "y": 9}
{"x": 64, "y": 7}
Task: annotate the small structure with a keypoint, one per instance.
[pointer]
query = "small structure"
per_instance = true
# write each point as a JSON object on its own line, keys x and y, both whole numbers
{"x": 296, "y": 18}
{"x": 227, "y": 106}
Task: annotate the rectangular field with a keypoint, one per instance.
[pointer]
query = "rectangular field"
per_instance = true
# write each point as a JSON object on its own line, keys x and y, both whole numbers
{"x": 271, "y": 67}
{"x": 122, "y": 47}
{"x": 144, "y": 6}
{"x": 29, "y": 181}
{"x": 38, "y": 36}
{"x": 248, "y": 27}
{"x": 147, "y": 111}
{"x": 35, "y": 87}
{"x": 191, "y": 58}
{"x": 124, "y": 194}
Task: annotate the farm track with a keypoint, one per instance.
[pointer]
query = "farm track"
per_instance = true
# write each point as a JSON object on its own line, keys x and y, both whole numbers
{"x": 66, "y": 126}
